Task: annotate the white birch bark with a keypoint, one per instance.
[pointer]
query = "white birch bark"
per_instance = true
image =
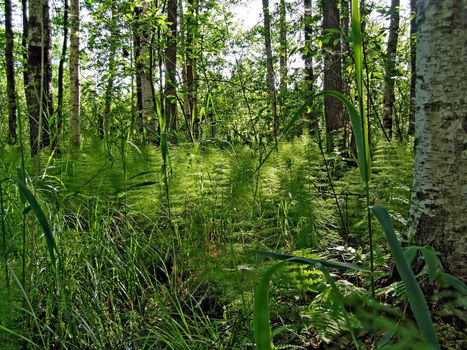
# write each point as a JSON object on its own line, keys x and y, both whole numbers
{"x": 439, "y": 196}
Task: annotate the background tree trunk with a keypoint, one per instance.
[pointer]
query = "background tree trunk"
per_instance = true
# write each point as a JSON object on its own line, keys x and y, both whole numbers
{"x": 191, "y": 76}
{"x": 439, "y": 194}
{"x": 39, "y": 95}
{"x": 308, "y": 60}
{"x": 390, "y": 65}
{"x": 333, "y": 109}
{"x": 24, "y": 45}
{"x": 171, "y": 66}
{"x": 74, "y": 75}
{"x": 413, "y": 66}
{"x": 283, "y": 55}
{"x": 10, "y": 75}
{"x": 104, "y": 118}
{"x": 61, "y": 66}
{"x": 270, "y": 68}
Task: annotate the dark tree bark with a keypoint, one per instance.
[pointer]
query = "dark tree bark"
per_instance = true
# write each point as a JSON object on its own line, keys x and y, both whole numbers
{"x": 10, "y": 75}
{"x": 61, "y": 65}
{"x": 39, "y": 94}
{"x": 333, "y": 109}
{"x": 413, "y": 66}
{"x": 171, "y": 66}
{"x": 270, "y": 68}
{"x": 391, "y": 52}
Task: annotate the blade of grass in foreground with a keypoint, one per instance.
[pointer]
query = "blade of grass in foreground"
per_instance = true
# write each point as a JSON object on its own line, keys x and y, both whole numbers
{"x": 414, "y": 292}
{"x": 261, "y": 326}
{"x": 49, "y": 237}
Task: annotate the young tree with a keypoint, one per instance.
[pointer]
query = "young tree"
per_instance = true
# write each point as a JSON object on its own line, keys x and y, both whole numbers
{"x": 391, "y": 52}
{"x": 39, "y": 94}
{"x": 270, "y": 68}
{"x": 332, "y": 77}
{"x": 439, "y": 194}
{"x": 10, "y": 75}
{"x": 171, "y": 66}
{"x": 74, "y": 75}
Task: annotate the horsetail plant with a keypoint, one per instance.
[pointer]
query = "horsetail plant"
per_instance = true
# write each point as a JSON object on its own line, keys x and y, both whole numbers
{"x": 359, "y": 124}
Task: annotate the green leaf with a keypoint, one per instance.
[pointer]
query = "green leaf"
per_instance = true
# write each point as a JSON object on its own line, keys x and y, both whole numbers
{"x": 49, "y": 237}
{"x": 431, "y": 261}
{"x": 414, "y": 293}
{"x": 455, "y": 283}
{"x": 261, "y": 327}
{"x": 410, "y": 253}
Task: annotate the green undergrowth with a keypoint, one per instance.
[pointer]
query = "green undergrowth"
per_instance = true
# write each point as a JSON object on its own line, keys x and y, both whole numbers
{"x": 144, "y": 271}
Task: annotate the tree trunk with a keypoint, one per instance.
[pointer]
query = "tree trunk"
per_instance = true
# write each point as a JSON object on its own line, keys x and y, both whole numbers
{"x": 61, "y": 65}
{"x": 413, "y": 66}
{"x": 104, "y": 118}
{"x": 191, "y": 76}
{"x": 10, "y": 75}
{"x": 439, "y": 194}
{"x": 270, "y": 68}
{"x": 39, "y": 95}
{"x": 391, "y": 53}
{"x": 143, "y": 62}
{"x": 171, "y": 66}
{"x": 24, "y": 45}
{"x": 74, "y": 75}
{"x": 333, "y": 109}
{"x": 283, "y": 55}
{"x": 308, "y": 60}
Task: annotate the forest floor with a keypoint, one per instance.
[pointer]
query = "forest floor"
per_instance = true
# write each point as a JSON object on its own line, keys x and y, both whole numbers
{"x": 145, "y": 265}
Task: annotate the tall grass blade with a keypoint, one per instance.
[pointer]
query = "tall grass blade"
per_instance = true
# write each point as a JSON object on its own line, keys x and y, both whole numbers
{"x": 49, "y": 237}
{"x": 261, "y": 327}
{"x": 414, "y": 292}
{"x": 357, "y": 39}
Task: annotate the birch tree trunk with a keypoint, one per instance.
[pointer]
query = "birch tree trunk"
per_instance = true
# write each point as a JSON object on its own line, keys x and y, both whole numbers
{"x": 10, "y": 74}
{"x": 270, "y": 68}
{"x": 413, "y": 66}
{"x": 39, "y": 95}
{"x": 283, "y": 54}
{"x": 391, "y": 52}
{"x": 74, "y": 75}
{"x": 439, "y": 195}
